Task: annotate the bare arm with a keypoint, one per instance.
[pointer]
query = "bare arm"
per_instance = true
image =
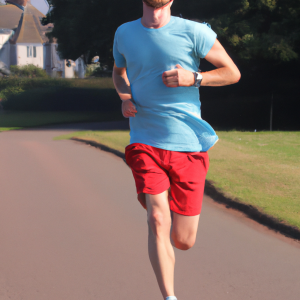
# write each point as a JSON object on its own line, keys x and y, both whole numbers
{"x": 122, "y": 86}
{"x": 225, "y": 74}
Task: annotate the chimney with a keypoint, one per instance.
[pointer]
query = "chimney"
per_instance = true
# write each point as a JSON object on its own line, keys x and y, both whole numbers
{"x": 18, "y": 2}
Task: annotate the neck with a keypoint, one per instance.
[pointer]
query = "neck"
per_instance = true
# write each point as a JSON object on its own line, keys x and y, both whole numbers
{"x": 156, "y": 18}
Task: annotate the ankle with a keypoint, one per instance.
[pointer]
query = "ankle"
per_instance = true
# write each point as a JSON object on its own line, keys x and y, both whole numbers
{"x": 171, "y": 298}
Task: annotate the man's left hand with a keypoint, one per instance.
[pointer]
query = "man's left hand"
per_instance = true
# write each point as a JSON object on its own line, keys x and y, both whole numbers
{"x": 178, "y": 77}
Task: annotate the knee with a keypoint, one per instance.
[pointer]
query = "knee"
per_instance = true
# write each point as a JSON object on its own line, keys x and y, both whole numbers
{"x": 183, "y": 243}
{"x": 159, "y": 223}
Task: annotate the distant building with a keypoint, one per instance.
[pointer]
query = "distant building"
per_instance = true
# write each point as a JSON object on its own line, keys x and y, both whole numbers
{"x": 23, "y": 39}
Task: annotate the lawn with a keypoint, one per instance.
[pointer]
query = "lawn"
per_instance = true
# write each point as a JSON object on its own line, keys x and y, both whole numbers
{"x": 116, "y": 139}
{"x": 259, "y": 168}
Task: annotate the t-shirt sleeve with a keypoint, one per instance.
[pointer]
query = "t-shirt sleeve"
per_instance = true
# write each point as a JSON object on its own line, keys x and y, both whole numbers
{"x": 118, "y": 56}
{"x": 204, "y": 38}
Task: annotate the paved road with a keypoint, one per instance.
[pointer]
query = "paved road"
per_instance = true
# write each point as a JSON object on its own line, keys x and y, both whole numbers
{"x": 71, "y": 229}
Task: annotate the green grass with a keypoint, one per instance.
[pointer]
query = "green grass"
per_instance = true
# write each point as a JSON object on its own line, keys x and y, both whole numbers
{"x": 16, "y": 120}
{"x": 259, "y": 168}
{"x": 116, "y": 139}
{"x": 9, "y": 128}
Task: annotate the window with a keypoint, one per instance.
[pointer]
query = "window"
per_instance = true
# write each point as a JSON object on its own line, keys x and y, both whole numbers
{"x": 31, "y": 51}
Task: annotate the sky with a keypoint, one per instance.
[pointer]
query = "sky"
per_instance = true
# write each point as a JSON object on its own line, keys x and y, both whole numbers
{"x": 41, "y": 5}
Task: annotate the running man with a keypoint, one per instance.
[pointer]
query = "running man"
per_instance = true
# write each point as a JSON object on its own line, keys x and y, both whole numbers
{"x": 156, "y": 76}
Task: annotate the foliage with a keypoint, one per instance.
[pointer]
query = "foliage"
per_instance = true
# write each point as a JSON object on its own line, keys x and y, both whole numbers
{"x": 253, "y": 29}
{"x": 92, "y": 69}
{"x": 59, "y": 95}
{"x": 16, "y": 120}
{"x": 96, "y": 70}
{"x": 30, "y": 71}
{"x": 262, "y": 30}
{"x": 88, "y": 27}
{"x": 13, "y": 86}
{"x": 240, "y": 106}
{"x": 10, "y": 91}
{"x": 48, "y": 19}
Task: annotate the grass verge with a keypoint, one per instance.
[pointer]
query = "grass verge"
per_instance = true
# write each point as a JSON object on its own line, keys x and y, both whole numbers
{"x": 8, "y": 128}
{"x": 116, "y": 139}
{"x": 261, "y": 169}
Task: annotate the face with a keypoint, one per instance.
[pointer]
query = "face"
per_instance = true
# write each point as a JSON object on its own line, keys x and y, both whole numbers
{"x": 156, "y": 13}
{"x": 157, "y": 5}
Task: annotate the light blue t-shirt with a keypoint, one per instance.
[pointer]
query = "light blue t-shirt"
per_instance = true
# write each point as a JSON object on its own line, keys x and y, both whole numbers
{"x": 167, "y": 118}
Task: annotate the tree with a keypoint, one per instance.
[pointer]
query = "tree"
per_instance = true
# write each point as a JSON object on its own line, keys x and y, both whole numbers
{"x": 262, "y": 30}
{"x": 88, "y": 27}
{"x": 255, "y": 30}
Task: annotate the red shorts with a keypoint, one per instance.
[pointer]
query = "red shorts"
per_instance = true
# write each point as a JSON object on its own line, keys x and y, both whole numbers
{"x": 156, "y": 170}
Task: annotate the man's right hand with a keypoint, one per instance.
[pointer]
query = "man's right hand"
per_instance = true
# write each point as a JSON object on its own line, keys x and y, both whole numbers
{"x": 128, "y": 109}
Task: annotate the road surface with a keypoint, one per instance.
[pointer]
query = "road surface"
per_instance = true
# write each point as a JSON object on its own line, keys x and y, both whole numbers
{"x": 72, "y": 229}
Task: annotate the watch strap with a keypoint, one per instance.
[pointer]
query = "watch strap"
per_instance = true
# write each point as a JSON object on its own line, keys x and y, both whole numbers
{"x": 198, "y": 78}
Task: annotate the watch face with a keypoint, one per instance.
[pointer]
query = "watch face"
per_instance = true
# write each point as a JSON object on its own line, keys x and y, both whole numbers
{"x": 199, "y": 76}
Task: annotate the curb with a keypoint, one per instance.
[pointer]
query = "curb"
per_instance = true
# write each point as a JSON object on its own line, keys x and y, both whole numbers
{"x": 218, "y": 196}
{"x": 252, "y": 212}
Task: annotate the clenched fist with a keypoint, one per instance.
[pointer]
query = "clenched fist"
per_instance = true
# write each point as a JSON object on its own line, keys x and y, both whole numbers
{"x": 128, "y": 109}
{"x": 178, "y": 77}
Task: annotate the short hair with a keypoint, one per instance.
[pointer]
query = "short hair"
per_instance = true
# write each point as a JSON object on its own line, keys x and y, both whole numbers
{"x": 156, "y": 3}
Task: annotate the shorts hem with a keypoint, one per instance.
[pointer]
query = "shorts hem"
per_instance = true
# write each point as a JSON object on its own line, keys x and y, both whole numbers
{"x": 153, "y": 192}
{"x": 185, "y": 213}
{"x": 190, "y": 213}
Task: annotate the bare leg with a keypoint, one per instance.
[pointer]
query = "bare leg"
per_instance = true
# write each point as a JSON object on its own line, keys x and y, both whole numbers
{"x": 161, "y": 252}
{"x": 142, "y": 199}
{"x": 184, "y": 230}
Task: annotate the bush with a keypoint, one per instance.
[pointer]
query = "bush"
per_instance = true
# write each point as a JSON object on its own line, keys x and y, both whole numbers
{"x": 12, "y": 86}
{"x": 25, "y": 94}
{"x": 64, "y": 99}
{"x": 96, "y": 70}
{"x": 90, "y": 70}
{"x": 28, "y": 71}
{"x": 10, "y": 91}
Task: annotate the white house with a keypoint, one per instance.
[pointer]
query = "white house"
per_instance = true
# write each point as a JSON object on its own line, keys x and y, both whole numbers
{"x": 23, "y": 39}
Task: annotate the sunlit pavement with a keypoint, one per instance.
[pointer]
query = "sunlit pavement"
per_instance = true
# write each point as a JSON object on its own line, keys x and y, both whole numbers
{"x": 72, "y": 229}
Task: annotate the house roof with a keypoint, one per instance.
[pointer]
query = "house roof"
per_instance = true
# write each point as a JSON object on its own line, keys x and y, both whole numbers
{"x": 26, "y": 24}
{"x": 10, "y": 16}
{"x": 30, "y": 29}
{"x": 34, "y": 11}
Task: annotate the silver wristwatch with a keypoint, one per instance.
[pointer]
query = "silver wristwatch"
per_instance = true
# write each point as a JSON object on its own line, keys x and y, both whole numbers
{"x": 198, "y": 79}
